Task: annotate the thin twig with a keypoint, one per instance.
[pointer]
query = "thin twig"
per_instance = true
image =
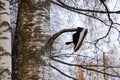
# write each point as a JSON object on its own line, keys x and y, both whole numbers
{"x": 85, "y": 10}
{"x": 62, "y": 72}
{"x": 86, "y": 68}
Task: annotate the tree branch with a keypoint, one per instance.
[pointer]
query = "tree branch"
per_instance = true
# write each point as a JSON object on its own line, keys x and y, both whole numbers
{"x": 84, "y": 10}
{"x": 86, "y": 68}
{"x": 111, "y": 23}
{"x": 76, "y": 11}
{"x": 62, "y": 72}
{"x": 52, "y": 39}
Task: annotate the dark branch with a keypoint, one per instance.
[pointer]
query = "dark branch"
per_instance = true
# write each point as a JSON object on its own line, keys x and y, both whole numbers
{"x": 85, "y": 68}
{"x": 80, "y": 12}
{"x": 108, "y": 13}
{"x": 84, "y": 10}
{"x": 62, "y": 72}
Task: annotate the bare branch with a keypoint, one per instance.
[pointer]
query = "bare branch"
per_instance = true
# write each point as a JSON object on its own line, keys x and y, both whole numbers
{"x": 86, "y": 68}
{"x": 108, "y": 13}
{"x": 80, "y": 12}
{"x": 52, "y": 39}
{"x": 62, "y": 72}
{"x": 84, "y": 10}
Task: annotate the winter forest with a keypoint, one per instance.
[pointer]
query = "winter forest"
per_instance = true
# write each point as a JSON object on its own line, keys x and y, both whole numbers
{"x": 33, "y": 36}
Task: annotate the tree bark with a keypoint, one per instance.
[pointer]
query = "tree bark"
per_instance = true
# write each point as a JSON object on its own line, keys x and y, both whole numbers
{"x": 33, "y": 33}
{"x": 5, "y": 41}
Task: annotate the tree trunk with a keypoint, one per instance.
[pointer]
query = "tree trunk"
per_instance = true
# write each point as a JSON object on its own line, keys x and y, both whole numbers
{"x": 5, "y": 41}
{"x": 33, "y": 34}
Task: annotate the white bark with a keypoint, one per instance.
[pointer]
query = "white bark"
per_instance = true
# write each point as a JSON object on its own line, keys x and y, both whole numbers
{"x": 5, "y": 41}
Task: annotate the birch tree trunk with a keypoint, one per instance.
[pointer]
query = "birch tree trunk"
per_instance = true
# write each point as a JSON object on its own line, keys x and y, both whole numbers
{"x": 5, "y": 41}
{"x": 33, "y": 34}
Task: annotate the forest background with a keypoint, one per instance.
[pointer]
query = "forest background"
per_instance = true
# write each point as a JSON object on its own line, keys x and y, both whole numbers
{"x": 33, "y": 35}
